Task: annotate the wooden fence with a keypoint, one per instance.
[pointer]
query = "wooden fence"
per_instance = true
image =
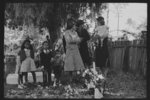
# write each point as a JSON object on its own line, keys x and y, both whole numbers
{"x": 125, "y": 55}
{"x": 129, "y": 56}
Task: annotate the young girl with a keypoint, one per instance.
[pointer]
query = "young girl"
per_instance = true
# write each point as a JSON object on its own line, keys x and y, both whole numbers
{"x": 73, "y": 60}
{"x": 45, "y": 57}
{"x": 27, "y": 60}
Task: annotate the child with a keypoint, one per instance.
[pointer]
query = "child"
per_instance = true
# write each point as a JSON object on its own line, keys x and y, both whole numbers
{"x": 27, "y": 60}
{"x": 45, "y": 57}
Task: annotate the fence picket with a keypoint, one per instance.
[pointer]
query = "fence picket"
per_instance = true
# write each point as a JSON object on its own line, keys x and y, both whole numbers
{"x": 136, "y": 55}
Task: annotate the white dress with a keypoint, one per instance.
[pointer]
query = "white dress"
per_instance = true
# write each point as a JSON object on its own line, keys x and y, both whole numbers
{"x": 73, "y": 60}
{"x": 28, "y": 64}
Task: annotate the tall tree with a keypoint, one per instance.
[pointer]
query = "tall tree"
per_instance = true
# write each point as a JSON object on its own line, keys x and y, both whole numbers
{"x": 50, "y": 15}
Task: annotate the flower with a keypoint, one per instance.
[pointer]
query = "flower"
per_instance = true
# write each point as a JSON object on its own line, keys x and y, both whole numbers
{"x": 101, "y": 76}
{"x": 93, "y": 79}
{"x": 78, "y": 72}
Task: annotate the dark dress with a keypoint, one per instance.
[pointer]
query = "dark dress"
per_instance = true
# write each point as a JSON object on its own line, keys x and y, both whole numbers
{"x": 101, "y": 54}
{"x": 45, "y": 61}
{"x": 83, "y": 46}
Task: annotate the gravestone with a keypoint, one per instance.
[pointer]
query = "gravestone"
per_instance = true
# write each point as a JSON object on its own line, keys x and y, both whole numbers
{"x": 13, "y": 78}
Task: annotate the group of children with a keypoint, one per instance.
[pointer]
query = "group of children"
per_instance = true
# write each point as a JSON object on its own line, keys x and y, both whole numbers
{"x": 26, "y": 63}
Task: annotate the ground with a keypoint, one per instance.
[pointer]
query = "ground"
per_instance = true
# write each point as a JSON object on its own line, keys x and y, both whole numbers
{"x": 118, "y": 85}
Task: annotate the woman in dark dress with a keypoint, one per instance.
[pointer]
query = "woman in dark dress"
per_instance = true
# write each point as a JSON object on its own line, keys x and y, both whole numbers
{"x": 83, "y": 46}
{"x": 101, "y": 51}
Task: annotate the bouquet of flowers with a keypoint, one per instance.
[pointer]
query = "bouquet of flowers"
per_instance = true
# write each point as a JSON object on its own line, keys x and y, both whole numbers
{"x": 94, "y": 79}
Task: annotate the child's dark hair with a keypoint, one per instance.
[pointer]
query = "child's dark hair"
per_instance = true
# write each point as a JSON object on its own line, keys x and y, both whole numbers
{"x": 23, "y": 44}
{"x": 101, "y": 20}
{"x": 70, "y": 23}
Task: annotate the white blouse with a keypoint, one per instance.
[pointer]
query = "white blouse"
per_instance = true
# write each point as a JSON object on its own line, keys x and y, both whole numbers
{"x": 102, "y": 31}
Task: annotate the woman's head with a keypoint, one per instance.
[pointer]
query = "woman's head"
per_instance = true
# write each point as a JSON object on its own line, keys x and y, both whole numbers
{"x": 70, "y": 23}
{"x": 80, "y": 23}
{"x": 45, "y": 45}
{"x": 26, "y": 44}
{"x": 47, "y": 37}
{"x": 100, "y": 20}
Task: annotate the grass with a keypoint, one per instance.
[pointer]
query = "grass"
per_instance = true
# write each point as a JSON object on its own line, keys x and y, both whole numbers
{"x": 126, "y": 83}
{"x": 119, "y": 85}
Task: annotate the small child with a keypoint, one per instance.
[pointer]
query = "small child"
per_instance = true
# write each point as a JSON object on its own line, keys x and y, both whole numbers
{"x": 45, "y": 58}
{"x": 27, "y": 60}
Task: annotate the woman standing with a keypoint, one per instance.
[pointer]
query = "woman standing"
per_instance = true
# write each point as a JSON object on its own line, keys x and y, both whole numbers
{"x": 73, "y": 60}
{"x": 83, "y": 45}
{"x": 101, "y": 51}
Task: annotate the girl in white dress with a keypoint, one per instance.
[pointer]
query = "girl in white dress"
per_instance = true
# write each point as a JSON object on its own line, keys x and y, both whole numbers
{"x": 27, "y": 60}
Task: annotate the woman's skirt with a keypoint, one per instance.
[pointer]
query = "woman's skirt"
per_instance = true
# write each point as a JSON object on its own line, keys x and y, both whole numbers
{"x": 73, "y": 60}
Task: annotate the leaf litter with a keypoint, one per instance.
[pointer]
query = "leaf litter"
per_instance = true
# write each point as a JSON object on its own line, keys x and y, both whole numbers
{"x": 118, "y": 85}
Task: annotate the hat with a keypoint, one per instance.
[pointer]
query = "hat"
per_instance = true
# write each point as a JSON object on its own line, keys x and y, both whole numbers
{"x": 100, "y": 18}
{"x": 79, "y": 22}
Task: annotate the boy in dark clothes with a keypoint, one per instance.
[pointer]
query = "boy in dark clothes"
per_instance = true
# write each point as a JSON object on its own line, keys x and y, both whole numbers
{"x": 45, "y": 57}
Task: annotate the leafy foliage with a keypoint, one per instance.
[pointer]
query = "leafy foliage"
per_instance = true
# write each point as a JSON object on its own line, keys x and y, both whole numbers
{"x": 50, "y": 15}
